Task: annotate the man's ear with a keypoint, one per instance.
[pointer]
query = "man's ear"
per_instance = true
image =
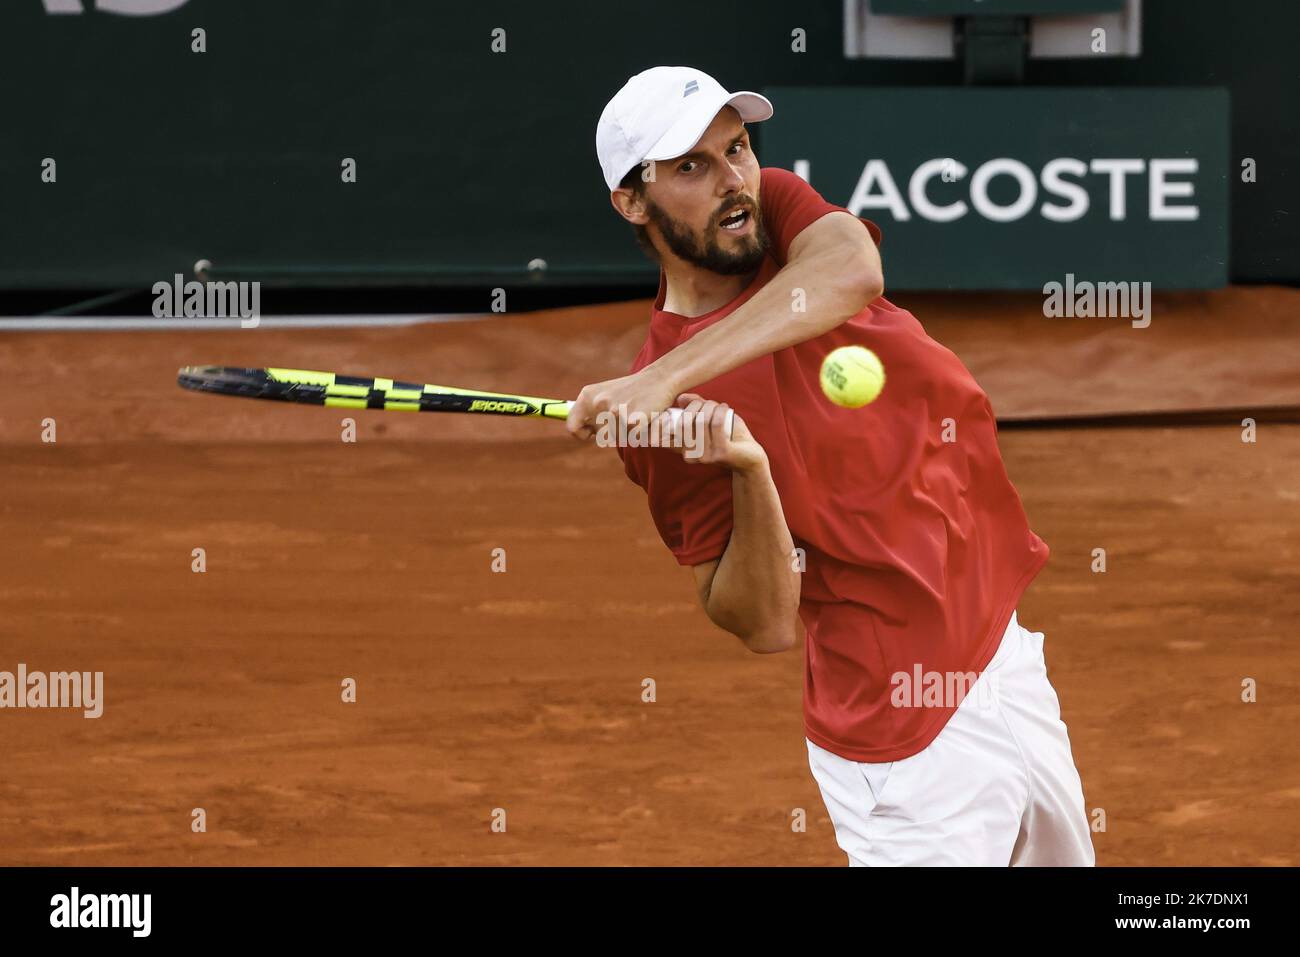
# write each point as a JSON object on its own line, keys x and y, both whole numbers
{"x": 629, "y": 205}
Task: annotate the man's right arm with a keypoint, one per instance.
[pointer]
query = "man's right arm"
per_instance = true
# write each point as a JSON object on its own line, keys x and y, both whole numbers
{"x": 752, "y": 591}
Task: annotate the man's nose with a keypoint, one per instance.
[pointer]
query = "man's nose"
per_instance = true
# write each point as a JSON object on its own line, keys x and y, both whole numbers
{"x": 732, "y": 181}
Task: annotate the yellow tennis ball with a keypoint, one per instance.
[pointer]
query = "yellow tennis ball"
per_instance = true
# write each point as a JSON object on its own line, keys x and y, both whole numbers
{"x": 852, "y": 376}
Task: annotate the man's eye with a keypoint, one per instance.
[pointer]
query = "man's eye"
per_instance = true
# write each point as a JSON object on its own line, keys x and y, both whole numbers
{"x": 737, "y": 146}
{"x": 686, "y": 167}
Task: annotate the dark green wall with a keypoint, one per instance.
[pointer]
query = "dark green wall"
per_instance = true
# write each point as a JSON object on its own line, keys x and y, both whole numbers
{"x": 469, "y": 161}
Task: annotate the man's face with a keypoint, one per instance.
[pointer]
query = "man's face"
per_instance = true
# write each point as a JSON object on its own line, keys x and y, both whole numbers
{"x": 704, "y": 205}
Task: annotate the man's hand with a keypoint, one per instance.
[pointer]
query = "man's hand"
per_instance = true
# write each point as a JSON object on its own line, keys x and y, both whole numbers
{"x": 647, "y": 391}
{"x": 699, "y": 434}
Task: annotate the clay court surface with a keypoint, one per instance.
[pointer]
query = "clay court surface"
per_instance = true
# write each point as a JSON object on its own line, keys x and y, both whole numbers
{"x": 479, "y": 690}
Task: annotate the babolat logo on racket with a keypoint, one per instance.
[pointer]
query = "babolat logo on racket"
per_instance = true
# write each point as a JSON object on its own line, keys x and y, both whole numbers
{"x": 498, "y": 405}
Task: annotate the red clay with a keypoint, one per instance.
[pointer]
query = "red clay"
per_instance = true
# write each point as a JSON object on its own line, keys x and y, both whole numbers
{"x": 522, "y": 690}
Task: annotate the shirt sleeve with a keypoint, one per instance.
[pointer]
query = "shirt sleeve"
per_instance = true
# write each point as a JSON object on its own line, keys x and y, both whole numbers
{"x": 690, "y": 504}
{"x": 790, "y": 206}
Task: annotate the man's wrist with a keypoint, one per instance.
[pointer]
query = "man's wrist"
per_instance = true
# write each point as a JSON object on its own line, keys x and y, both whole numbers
{"x": 671, "y": 377}
{"x": 757, "y": 469}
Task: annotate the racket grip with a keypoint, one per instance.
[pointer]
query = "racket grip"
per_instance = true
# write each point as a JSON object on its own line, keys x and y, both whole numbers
{"x": 729, "y": 422}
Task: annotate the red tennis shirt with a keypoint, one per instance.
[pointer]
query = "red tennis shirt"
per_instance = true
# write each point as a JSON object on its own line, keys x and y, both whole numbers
{"x": 917, "y": 545}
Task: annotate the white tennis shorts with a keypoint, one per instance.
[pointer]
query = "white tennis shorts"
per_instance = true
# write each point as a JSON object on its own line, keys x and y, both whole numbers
{"x": 997, "y": 787}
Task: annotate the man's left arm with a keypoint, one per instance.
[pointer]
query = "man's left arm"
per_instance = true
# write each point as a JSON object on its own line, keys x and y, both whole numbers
{"x": 833, "y": 261}
{"x": 836, "y": 265}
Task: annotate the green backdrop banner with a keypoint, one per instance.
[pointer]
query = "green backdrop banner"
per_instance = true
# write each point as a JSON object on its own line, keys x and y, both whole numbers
{"x": 1011, "y": 189}
{"x": 472, "y": 128}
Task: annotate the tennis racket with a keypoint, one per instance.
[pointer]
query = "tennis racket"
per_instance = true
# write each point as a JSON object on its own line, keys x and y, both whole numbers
{"x": 358, "y": 392}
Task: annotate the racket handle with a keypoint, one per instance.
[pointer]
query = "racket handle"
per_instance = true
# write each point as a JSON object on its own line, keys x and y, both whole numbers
{"x": 730, "y": 421}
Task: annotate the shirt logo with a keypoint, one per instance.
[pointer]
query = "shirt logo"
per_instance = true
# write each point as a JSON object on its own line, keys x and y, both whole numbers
{"x": 692, "y": 87}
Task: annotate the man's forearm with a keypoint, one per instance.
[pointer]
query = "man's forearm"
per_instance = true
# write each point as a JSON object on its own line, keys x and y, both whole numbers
{"x": 755, "y": 589}
{"x": 820, "y": 288}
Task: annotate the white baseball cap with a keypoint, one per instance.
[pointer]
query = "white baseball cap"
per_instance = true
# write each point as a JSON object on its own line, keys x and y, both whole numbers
{"x": 661, "y": 113}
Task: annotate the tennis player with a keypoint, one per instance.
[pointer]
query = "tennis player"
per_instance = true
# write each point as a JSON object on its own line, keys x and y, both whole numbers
{"x": 890, "y": 534}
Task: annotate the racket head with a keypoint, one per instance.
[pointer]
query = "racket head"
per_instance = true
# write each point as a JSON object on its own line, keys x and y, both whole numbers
{"x": 250, "y": 384}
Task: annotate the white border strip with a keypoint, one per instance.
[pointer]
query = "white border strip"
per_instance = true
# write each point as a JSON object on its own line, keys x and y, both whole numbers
{"x": 195, "y": 324}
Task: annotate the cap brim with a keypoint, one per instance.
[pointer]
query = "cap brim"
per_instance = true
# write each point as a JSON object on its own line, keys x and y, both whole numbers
{"x": 686, "y": 132}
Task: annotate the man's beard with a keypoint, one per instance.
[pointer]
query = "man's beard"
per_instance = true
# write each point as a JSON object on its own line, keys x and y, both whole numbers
{"x": 707, "y": 254}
